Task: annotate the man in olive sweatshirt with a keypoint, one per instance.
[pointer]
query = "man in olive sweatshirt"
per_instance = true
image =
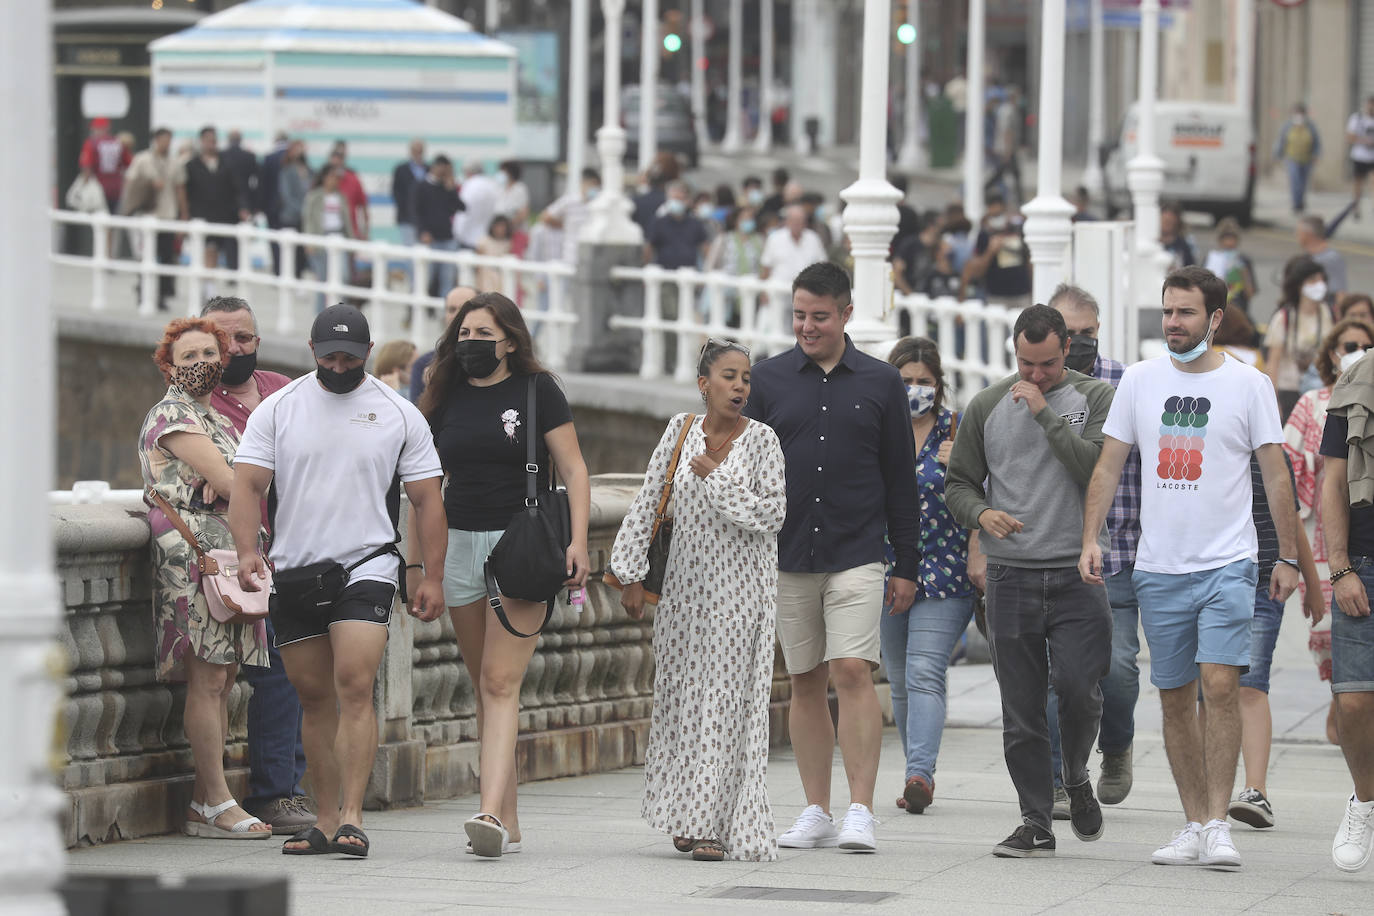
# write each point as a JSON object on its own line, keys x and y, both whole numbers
{"x": 1018, "y": 473}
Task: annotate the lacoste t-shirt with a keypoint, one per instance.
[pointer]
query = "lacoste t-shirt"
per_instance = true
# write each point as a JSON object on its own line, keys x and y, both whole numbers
{"x": 333, "y": 459}
{"x": 1196, "y": 432}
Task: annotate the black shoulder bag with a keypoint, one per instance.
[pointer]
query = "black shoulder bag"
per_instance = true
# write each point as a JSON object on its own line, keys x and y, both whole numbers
{"x": 530, "y": 560}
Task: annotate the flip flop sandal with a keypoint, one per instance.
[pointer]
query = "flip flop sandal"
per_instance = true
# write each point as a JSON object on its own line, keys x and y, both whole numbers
{"x": 487, "y": 835}
{"x": 708, "y": 851}
{"x": 683, "y": 843}
{"x": 350, "y": 849}
{"x": 319, "y": 843}
{"x": 510, "y": 849}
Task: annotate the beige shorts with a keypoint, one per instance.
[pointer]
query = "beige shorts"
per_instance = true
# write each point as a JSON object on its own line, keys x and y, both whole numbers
{"x": 822, "y": 616}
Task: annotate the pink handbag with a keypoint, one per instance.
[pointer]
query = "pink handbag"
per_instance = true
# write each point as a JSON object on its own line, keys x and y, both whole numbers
{"x": 219, "y": 580}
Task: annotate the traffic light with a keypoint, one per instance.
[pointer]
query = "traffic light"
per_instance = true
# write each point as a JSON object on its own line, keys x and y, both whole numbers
{"x": 906, "y": 33}
{"x": 672, "y": 42}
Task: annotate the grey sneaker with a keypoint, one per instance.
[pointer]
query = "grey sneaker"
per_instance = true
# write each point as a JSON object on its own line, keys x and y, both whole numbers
{"x": 1061, "y": 804}
{"x": 1115, "y": 782}
{"x": 288, "y": 816}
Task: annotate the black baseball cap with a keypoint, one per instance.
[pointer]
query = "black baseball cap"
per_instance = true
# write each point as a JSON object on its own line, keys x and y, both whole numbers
{"x": 341, "y": 329}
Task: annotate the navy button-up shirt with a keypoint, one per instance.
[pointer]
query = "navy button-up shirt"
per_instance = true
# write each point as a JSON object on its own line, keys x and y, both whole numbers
{"x": 851, "y": 460}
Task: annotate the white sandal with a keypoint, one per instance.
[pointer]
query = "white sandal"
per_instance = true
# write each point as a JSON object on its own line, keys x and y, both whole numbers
{"x": 488, "y": 837}
{"x": 243, "y": 830}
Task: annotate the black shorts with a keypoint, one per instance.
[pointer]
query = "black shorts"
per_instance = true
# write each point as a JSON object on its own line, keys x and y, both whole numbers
{"x": 368, "y": 601}
{"x": 1362, "y": 168}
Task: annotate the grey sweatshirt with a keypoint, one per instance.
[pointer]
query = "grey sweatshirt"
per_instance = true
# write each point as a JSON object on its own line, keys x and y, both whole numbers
{"x": 1036, "y": 469}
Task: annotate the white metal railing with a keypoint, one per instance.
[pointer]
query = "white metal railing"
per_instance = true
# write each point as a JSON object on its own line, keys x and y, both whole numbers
{"x": 396, "y": 296}
{"x": 972, "y": 335}
{"x": 92, "y": 491}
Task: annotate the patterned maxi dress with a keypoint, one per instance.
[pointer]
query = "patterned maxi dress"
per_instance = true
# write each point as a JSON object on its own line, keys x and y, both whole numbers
{"x": 707, "y": 759}
{"x": 181, "y": 620}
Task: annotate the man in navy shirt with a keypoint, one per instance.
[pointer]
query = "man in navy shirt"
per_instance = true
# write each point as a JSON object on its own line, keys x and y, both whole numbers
{"x": 845, "y": 427}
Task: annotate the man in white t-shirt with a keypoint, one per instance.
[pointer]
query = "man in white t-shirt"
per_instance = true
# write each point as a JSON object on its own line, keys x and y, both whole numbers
{"x": 336, "y": 447}
{"x": 791, "y": 248}
{"x": 1359, "y": 133}
{"x": 1196, "y": 416}
{"x": 481, "y": 195}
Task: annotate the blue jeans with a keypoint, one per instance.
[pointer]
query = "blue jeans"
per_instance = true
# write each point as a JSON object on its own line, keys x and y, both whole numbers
{"x": 276, "y": 756}
{"x": 1264, "y": 635}
{"x": 916, "y": 650}
{"x": 442, "y": 277}
{"x": 1297, "y": 182}
{"x": 1121, "y": 686}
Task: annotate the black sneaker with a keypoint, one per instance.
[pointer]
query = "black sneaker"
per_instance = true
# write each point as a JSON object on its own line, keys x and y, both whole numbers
{"x": 1026, "y": 842}
{"x": 1251, "y": 807}
{"x": 1085, "y": 815}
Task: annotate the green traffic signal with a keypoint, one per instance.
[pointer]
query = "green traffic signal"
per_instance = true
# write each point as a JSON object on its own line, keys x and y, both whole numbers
{"x": 906, "y": 33}
{"x": 672, "y": 42}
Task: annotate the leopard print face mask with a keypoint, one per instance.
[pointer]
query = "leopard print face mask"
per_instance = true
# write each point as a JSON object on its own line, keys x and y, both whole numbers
{"x": 197, "y": 379}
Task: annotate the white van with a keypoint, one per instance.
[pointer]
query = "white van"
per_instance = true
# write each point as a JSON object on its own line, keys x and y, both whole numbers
{"x": 1208, "y": 150}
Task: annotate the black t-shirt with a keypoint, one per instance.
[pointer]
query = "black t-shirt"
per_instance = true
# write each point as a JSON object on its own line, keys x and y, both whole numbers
{"x": 1360, "y": 542}
{"x": 677, "y": 241}
{"x": 481, "y": 443}
{"x": 1009, "y": 270}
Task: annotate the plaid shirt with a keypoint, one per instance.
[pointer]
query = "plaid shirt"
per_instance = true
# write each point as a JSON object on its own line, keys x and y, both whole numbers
{"x": 1123, "y": 520}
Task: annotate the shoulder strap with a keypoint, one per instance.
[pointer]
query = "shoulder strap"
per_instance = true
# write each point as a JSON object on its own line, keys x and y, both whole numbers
{"x": 667, "y": 491}
{"x": 494, "y": 601}
{"x": 207, "y": 563}
{"x": 531, "y": 430}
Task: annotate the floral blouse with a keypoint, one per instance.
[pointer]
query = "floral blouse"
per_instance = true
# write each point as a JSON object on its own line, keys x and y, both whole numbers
{"x": 943, "y": 542}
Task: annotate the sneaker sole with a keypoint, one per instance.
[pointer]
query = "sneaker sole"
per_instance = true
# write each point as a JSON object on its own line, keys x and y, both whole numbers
{"x": 1352, "y": 868}
{"x": 1250, "y": 814}
{"x": 1219, "y": 861}
{"x": 858, "y": 846}
{"x": 1159, "y": 860}
{"x": 1007, "y": 852}
{"x": 826, "y": 843}
{"x": 1088, "y": 837}
{"x": 1106, "y": 796}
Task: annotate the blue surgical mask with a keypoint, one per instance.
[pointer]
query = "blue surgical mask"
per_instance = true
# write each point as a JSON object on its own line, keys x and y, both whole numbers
{"x": 676, "y": 207}
{"x": 1202, "y": 347}
{"x": 746, "y": 226}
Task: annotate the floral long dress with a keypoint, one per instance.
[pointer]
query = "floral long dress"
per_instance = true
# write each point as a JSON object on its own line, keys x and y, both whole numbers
{"x": 707, "y": 759}
{"x": 181, "y": 620}
{"x": 1303, "y": 442}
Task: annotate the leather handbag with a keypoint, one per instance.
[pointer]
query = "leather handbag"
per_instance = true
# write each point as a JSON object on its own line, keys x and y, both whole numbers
{"x": 227, "y": 601}
{"x": 661, "y": 538}
{"x": 530, "y": 561}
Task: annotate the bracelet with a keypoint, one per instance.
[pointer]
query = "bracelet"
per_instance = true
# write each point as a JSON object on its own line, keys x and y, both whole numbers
{"x": 1285, "y": 560}
{"x": 410, "y": 566}
{"x": 1341, "y": 573}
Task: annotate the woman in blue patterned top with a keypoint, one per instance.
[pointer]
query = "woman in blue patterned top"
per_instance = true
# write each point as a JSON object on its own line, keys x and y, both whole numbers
{"x": 917, "y": 641}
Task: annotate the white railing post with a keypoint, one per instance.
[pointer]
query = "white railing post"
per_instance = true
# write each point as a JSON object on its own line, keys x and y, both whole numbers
{"x": 100, "y": 258}
{"x": 150, "y": 278}
{"x": 381, "y": 309}
{"x": 333, "y": 271}
{"x": 287, "y": 284}
{"x": 195, "y": 277}
{"x": 652, "y": 359}
{"x": 244, "y": 235}
{"x": 685, "y": 370}
{"x": 552, "y": 332}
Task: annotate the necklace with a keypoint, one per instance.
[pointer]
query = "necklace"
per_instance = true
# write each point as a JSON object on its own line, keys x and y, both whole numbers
{"x": 707, "y": 441}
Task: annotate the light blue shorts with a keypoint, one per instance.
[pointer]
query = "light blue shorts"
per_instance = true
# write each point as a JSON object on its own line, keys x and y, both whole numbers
{"x": 467, "y": 554}
{"x": 1191, "y": 618}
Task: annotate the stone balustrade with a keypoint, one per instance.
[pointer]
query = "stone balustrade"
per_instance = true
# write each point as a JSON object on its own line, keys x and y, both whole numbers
{"x": 126, "y": 766}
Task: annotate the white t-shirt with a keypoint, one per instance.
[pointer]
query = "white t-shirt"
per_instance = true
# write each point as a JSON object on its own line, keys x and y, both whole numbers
{"x": 1362, "y": 126}
{"x": 332, "y": 216}
{"x": 787, "y": 256}
{"x": 333, "y": 458}
{"x": 1196, "y": 432}
{"x": 480, "y": 196}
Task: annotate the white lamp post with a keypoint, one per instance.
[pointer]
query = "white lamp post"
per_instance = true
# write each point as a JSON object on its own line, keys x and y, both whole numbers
{"x": 697, "y": 29}
{"x": 975, "y": 79}
{"x": 610, "y": 221}
{"x": 763, "y": 139}
{"x": 733, "y": 78}
{"x": 803, "y": 94}
{"x": 1097, "y": 78}
{"x": 913, "y": 155}
{"x": 579, "y": 65}
{"x": 1245, "y": 54}
{"x": 29, "y": 607}
{"x": 870, "y": 219}
{"x": 1049, "y": 217}
{"x": 648, "y": 83}
{"x": 1145, "y": 171}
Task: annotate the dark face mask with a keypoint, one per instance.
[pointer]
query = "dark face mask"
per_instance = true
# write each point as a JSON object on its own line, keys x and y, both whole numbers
{"x": 1082, "y": 354}
{"x": 478, "y": 357}
{"x": 240, "y": 369}
{"x": 340, "y": 382}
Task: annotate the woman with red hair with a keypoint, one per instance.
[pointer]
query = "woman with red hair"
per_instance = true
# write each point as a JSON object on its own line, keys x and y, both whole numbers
{"x": 185, "y": 450}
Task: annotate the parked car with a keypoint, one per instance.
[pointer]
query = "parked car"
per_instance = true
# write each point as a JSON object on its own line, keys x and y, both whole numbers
{"x": 675, "y": 127}
{"x": 1208, "y": 150}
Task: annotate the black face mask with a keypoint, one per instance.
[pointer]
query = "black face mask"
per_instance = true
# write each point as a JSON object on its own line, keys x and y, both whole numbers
{"x": 240, "y": 368}
{"x": 1082, "y": 354}
{"x": 340, "y": 382}
{"x": 478, "y": 357}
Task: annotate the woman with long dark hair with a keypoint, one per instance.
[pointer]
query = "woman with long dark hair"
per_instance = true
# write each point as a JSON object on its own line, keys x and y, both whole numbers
{"x": 476, "y": 402}
{"x": 1296, "y": 331}
{"x": 917, "y": 641}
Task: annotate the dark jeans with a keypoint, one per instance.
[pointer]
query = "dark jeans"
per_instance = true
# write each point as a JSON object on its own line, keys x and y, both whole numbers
{"x": 1043, "y": 624}
{"x": 1121, "y": 686}
{"x": 166, "y": 254}
{"x": 276, "y": 757}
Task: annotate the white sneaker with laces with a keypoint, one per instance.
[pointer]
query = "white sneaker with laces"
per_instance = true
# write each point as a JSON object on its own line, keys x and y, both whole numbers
{"x": 1183, "y": 849}
{"x": 812, "y": 830}
{"x": 857, "y": 833}
{"x": 1354, "y": 841}
{"x": 1217, "y": 848}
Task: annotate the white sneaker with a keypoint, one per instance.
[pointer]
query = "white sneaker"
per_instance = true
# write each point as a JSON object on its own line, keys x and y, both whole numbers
{"x": 1217, "y": 848}
{"x": 812, "y": 830}
{"x": 1183, "y": 849}
{"x": 1354, "y": 841}
{"x": 857, "y": 833}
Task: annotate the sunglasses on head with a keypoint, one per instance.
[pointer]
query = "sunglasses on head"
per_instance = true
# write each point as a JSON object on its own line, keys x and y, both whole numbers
{"x": 720, "y": 343}
{"x": 1351, "y": 346}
